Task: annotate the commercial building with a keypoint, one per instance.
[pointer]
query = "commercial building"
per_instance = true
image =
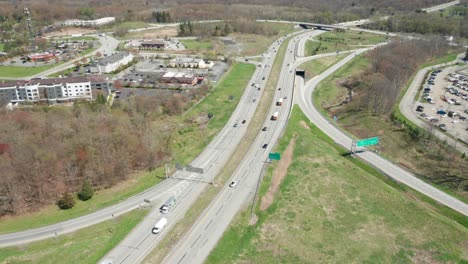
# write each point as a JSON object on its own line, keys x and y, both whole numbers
{"x": 153, "y": 44}
{"x": 179, "y": 78}
{"x": 45, "y": 56}
{"x": 53, "y": 90}
{"x": 88, "y": 23}
{"x": 111, "y": 63}
{"x": 190, "y": 63}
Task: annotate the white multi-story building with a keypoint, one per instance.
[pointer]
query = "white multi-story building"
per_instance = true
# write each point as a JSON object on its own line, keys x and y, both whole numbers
{"x": 88, "y": 23}
{"x": 48, "y": 90}
{"x": 191, "y": 63}
{"x": 111, "y": 63}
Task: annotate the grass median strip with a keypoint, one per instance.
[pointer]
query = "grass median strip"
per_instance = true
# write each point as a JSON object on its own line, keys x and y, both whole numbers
{"x": 330, "y": 209}
{"x": 88, "y": 245}
{"x": 210, "y": 192}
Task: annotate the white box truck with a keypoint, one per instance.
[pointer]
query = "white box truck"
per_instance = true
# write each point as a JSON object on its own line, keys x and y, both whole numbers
{"x": 274, "y": 116}
{"x": 164, "y": 209}
{"x": 279, "y": 102}
{"x": 159, "y": 226}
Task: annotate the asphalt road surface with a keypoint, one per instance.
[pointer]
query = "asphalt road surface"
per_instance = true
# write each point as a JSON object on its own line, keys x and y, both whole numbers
{"x": 304, "y": 100}
{"x": 408, "y": 105}
{"x": 196, "y": 245}
{"x": 140, "y": 242}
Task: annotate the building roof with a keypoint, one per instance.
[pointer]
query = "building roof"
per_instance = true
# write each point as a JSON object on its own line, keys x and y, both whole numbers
{"x": 52, "y": 81}
{"x": 186, "y": 60}
{"x": 113, "y": 58}
{"x": 153, "y": 42}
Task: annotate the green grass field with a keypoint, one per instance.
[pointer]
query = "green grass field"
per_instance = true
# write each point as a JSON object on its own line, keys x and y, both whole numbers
{"x": 87, "y": 245}
{"x": 334, "y": 41}
{"x": 433, "y": 164}
{"x": 328, "y": 93}
{"x": 328, "y": 210}
{"x": 191, "y": 139}
{"x": 257, "y": 44}
{"x": 197, "y": 44}
{"x": 315, "y": 67}
{"x": 17, "y": 71}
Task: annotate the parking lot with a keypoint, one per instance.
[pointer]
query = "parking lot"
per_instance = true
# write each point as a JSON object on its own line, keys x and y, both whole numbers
{"x": 444, "y": 101}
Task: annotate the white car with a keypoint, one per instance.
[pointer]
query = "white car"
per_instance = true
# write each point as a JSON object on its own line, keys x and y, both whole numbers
{"x": 233, "y": 184}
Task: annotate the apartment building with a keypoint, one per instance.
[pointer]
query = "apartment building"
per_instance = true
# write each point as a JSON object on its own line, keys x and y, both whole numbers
{"x": 54, "y": 90}
{"x": 111, "y": 63}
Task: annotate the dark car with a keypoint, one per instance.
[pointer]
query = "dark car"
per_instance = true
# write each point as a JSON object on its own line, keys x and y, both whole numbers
{"x": 265, "y": 146}
{"x": 264, "y": 129}
{"x": 243, "y": 121}
{"x": 420, "y": 108}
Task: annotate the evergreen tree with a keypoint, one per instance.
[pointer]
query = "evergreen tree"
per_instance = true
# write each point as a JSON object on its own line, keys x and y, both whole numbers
{"x": 86, "y": 191}
{"x": 66, "y": 201}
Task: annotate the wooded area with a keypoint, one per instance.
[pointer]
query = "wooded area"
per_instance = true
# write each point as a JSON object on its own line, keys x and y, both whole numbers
{"x": 48, "y": 151}
{"x": 392, "y": 65}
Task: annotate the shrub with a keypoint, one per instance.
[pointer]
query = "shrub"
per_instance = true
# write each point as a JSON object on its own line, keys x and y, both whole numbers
{"x": 66, "y": 202}
{"x": 86, "y": 191}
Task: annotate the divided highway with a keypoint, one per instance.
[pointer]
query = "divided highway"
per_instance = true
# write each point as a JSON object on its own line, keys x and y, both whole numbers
{"x": 140, "y": 242}
{"x": 196, "y": 245}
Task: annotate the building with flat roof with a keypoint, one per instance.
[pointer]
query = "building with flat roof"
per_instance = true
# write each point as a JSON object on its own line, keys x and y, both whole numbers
{"x": 52, "y": 90}
{"x": 111, "y": 63}
{"x": 153, "y": 44}
{"x": 88, "y": 23}
{"x": 179, "y": 78}
{"x": 45, "y": 56}
{"x": 190, "y": 63}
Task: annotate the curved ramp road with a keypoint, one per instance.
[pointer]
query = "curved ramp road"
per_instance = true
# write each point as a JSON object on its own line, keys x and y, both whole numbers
{"x": 408, "y": 105}
{"x": 304, "y": 99}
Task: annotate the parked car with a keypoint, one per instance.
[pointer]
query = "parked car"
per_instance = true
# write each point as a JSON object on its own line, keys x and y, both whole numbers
{"x": 420, "y": 108}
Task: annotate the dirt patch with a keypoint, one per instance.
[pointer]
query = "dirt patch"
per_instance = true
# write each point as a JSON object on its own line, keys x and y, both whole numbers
{"x": 304, "y": 125}
{"x": 423, "y": 256}
{"x": 70, "y": 31}
{"x": 160, "y": 33}
{"x": 278, "y": 175}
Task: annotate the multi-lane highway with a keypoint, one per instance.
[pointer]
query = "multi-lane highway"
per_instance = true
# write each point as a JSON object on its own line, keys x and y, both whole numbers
{"x": 141, "y": 241}
{"x": 211, "y": 160}
{"x": 205, "y": 233}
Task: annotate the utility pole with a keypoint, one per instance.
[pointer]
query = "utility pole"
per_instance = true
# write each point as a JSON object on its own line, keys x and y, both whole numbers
{"x": 166, "y": 168}
{"x": 28, "y": 21}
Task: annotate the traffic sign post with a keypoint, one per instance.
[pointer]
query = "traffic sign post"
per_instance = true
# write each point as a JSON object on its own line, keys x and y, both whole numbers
{"x": 367, "y": 142}
{"x": 363, "y": 143}
{"x": 274, "y": 156}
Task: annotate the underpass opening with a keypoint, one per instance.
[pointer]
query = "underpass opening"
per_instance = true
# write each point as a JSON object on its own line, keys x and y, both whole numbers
{"x": 300, "y": 72}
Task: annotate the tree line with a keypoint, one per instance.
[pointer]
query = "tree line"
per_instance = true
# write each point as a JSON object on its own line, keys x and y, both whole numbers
{"x": 391, "y": 67}
{"x": 50, "y": 154}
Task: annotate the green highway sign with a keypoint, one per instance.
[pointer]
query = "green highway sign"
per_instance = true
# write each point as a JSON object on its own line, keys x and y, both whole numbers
{"x": 274, "y": 156}
{"x": 367, "y": 142}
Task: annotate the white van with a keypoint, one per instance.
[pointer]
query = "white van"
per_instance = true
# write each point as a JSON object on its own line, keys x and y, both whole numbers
{"x": 159, "y": 226}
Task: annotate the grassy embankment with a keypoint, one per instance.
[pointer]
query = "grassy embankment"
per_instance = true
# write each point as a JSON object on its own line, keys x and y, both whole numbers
{"x": 202, "y": 202}
{"x": 334, "y": 41}
{"x": 256, "y": 44}
{"x": 315, "y": 67}
{"x": 87, "y": 245}
{"x": 335, "y": 209}
{"x": 187, "y": 145}
{"x": 430, "y": 164}
{"x": 197, "y": 44}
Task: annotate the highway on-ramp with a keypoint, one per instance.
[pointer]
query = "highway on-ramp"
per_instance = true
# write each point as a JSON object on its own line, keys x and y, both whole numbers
{"x": 304, "y": 100}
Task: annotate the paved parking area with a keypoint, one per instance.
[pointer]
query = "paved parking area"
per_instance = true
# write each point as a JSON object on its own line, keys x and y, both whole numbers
{"x": 449, "y": 105}
{"x": 128, "y": 92}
